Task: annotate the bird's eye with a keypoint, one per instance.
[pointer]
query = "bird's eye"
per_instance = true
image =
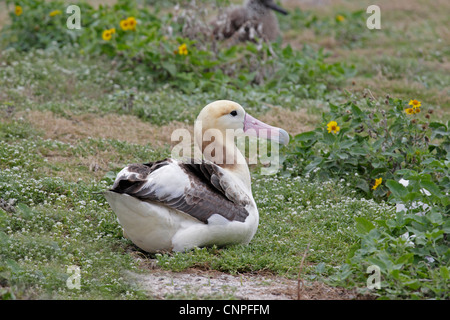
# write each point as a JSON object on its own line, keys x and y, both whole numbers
{"x": 233, "y": 113}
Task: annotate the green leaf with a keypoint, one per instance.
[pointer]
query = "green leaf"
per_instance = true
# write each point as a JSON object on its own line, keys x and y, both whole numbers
{"x": 411, "y": 196}
{"x": 397, "y": 189}
{"x": 169, "y": 67}
{"x": 396, "y": 274}
{"x": 439, "y": 130}
{"x": 413, "y": 284}
{"x": 3, "y": 238}
{"x": 435, "y": 217}
{"x": 313, "y": 164}
{"x": 363, "y": 225}
{"x": 347, "y": 144}
{"x": 12, "y": 265}
{"x": 446, "y": 226}
{"x": 356, "y": 111}
{"x": 25, "y": 211}
{"x": 406, "y": 258}
{"x": 431, "y": 187}
{"x": 358, "y": 151}
{"x": 377, "y": 262}
{"x": 363, "y": 185}
{"x": 435, "y": 234}
{"x": 305, "y": 136}
{"x": 329, "y": 138}
{"x": 342, "y": 155}
{"x": 334, "y": 108}
{"x": 445, "y": 274}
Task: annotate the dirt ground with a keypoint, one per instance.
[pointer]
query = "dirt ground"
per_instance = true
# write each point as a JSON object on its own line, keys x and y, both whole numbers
{"x": 200, "y": 284}
{"x": 196, "y": 283}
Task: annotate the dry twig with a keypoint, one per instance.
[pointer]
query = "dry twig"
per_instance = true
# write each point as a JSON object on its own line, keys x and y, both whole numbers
{"x": 299, "y": 279}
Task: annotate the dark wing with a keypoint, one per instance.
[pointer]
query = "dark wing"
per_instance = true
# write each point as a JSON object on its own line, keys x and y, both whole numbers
{"x": 198, "y": 189}
{"x": 227, "y": 25}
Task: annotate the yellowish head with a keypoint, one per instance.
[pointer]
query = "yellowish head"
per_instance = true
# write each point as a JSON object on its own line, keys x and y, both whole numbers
{"x": 222, "y": 115}
{"x": 226, "y": 115}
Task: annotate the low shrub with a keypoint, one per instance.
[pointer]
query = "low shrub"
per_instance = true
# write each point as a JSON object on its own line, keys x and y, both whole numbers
{"x": 363, "y": 141}
{"x": 175, "y": 48}
{"x": 374, "y": 146}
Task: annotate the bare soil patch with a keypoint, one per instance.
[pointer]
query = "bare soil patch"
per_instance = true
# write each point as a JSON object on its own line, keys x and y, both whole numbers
{"x": 294, "y": 122}
{"x": 200, "y": 284}
{"x": 111, "y": 126}
{"x": 133, "y": 130}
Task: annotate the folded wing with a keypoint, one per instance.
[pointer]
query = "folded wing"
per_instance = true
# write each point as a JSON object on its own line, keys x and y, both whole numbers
{"x": 198, "y": 189}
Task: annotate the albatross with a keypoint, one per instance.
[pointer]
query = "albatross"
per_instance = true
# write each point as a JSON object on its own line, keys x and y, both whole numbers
{"x": 176, "y": 205}
{"x": 255, "y": 17}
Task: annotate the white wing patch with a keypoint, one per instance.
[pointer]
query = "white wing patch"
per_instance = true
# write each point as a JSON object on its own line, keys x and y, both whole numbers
{"x": 167, "y": 182}
{"x": 200, "y": 190}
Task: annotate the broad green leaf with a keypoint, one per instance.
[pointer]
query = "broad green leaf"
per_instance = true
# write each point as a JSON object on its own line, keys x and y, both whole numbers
{"x": 396, "y": 274}
{"x": 3, "y": 238}
{"x": 439, "y": 130}
{"x": 363, "y": 225}
{"x": 431, "y": 187}
{"x": 377, "y": 262}
{"x": 170, "y": 67}
{"x": 305, "y": 136}
{"x": 397, "y": 189}
{"x": 25, "y": 210}
{"x": 411, "y": 196}
{"x": 313, "y": 164}
{"x": 342, "y": 155}
{"x": 363, "y": 185}
{"x": 413, "y": 284}
{"x": 406, "y": 258}
{"x": 347, "y": 144}
{"x": 435, "y": 217}
{"x": 329, "y": 138}
{"x": 446, "y": 226}
{"x": 356, "y": 111}
{"x": 358, "y": 151}
{"x": 445, "y": 274}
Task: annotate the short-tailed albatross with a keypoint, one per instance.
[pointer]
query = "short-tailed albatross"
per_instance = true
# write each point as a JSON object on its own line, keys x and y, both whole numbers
{"x": 178, "y": 205}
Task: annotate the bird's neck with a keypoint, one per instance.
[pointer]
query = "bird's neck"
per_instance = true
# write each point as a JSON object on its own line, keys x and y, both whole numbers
{"x": 256, "y": 8}
{"x": 222, "y": 151}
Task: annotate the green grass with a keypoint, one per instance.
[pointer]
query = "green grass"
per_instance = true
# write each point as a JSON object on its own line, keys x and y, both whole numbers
{"x": 68, "y": 84}
{"x": 60, "y": 219}
{"x": 59, "y": 223}
{"x": 293, "y": 213}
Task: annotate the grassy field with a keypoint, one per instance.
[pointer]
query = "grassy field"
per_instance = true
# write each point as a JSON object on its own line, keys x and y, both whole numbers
{"x": 69, "y": 122}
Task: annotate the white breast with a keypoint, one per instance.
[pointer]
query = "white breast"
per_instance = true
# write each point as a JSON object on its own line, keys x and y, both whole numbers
{"x": 156, "y": 227}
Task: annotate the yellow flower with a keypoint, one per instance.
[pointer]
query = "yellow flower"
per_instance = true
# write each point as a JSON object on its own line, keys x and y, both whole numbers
{"x": 18, "y": 10}
{"x": 124, "y": 25}
{"x": 113, "y": 30}
{"x": 106, "y": 35}
{"x": 416, "y": 110}
{"x": 332, "y": 126}
{"x": 340, "y": 18}
{"x": 128, "y": 24}
{"x": 377, "y": 183}
{"x": 409, "y": 111}
{"x": 132, "y": 23}
{"x": 182, "y": 49}
{"x": 55, "y": 13}
{"x": 414, "y": 103}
